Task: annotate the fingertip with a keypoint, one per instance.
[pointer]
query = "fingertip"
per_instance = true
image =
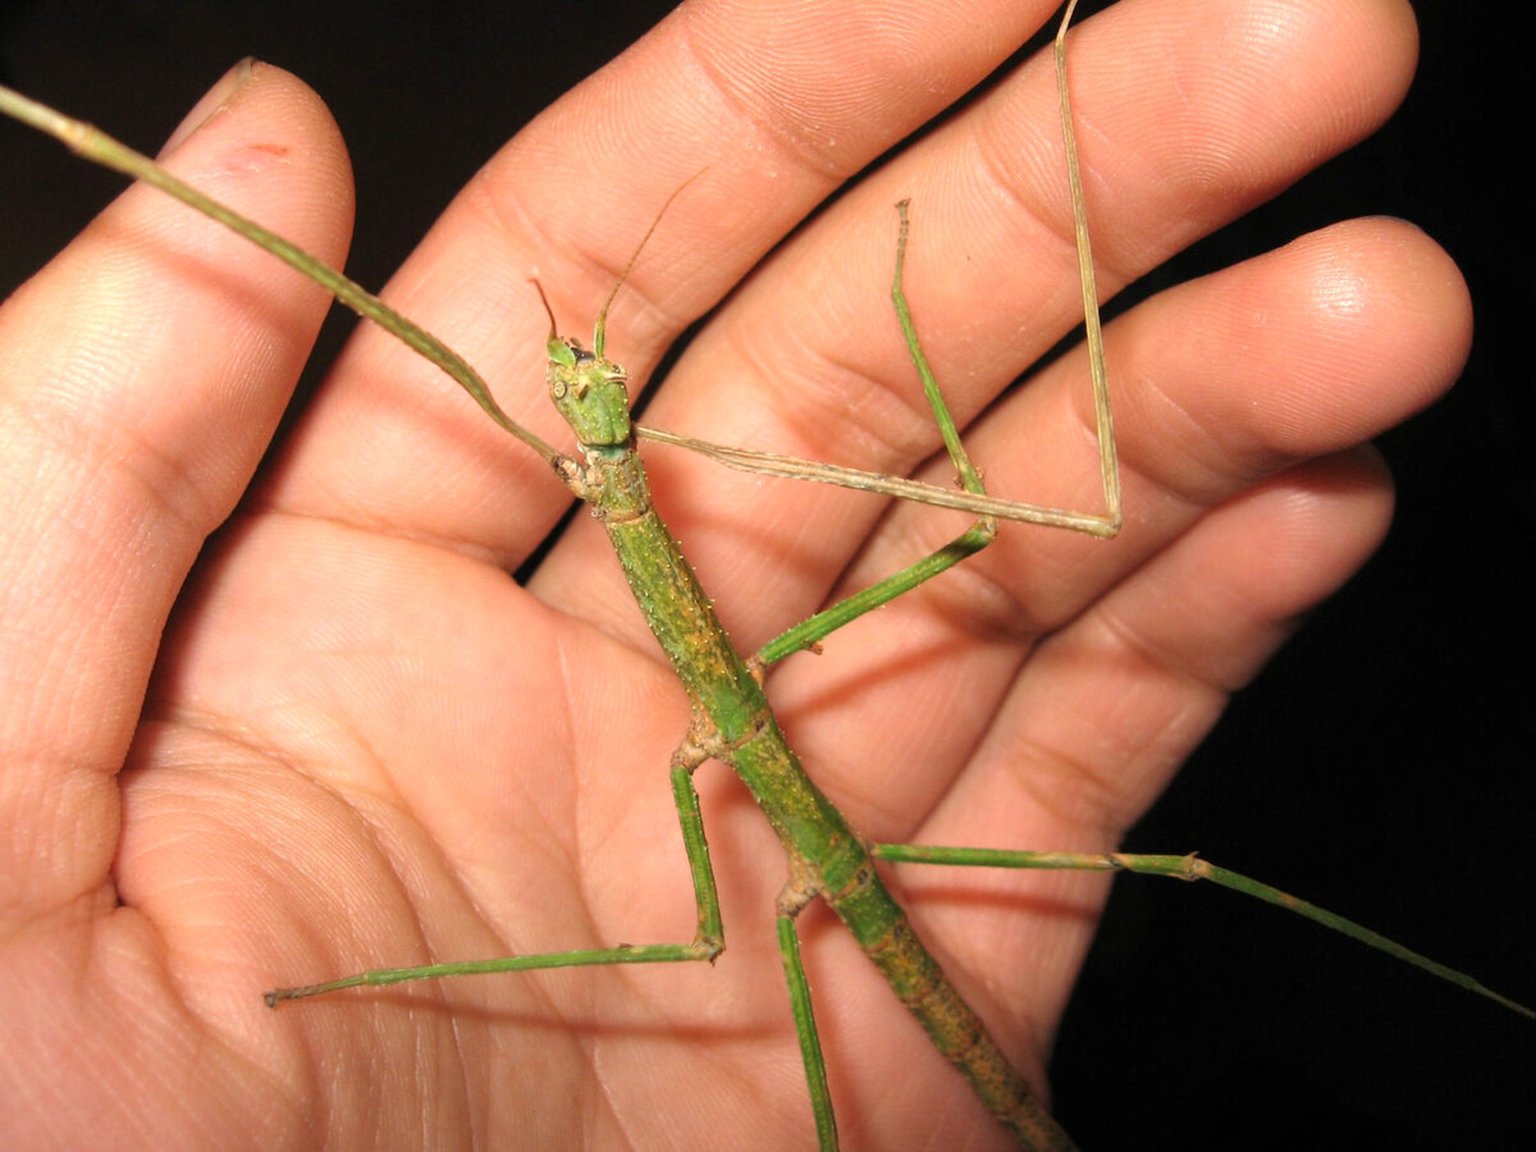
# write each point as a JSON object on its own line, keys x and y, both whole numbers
{"x": 1430, "y": 291}
{"x": 1304, "y": 351}
{"x": 213, "y": 101}
{"x": 1389, "y": 317}
{"x": 260, "y": 119}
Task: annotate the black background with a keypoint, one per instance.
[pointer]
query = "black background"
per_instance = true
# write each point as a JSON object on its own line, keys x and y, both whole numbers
{"x": 1382, "y": 765}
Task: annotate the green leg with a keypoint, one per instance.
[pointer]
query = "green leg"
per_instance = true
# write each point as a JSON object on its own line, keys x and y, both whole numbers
{"x": 707, "y": 944}
{"x": 981, "y": 534}
{"x": 1188, "y": 868}
{"x": 805, "y": 1026}
{"x": 973, "y": 540}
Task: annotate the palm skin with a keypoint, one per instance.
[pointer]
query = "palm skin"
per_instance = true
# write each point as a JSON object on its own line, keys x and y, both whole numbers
{"x": 338, "y": 736}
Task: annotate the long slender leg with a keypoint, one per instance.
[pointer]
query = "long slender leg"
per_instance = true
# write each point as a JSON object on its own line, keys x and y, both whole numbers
{"x": 805, "y": 1021}
{"x": 1189, "y": 868}
{"x": 981, "y": 533}
{"x": 984, "y": 530}
{"x": 968, "y": 543}
{"x": 707, "y": 944}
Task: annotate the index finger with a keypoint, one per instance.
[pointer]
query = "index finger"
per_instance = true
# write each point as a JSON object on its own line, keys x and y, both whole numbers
{"x": 774, "y": 109}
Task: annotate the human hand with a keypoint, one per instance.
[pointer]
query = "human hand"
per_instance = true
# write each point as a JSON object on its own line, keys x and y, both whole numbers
{"x": 335, "y": 766}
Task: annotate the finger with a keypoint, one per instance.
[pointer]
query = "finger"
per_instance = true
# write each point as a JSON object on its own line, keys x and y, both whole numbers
{"x": 144, "y": 372}
{"x": 1188, "y": 114}
{"x": 766, "y": 106}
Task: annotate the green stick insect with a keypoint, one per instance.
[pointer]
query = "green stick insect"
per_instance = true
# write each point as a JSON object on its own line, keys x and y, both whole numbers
{"x": 829, "y": 860}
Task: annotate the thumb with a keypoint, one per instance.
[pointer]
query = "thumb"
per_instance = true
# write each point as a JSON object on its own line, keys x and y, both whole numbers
{"x": 142, "y": 374}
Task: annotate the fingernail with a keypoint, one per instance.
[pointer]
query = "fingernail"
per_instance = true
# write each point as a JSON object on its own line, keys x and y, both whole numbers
{"x": 211, "y": 104}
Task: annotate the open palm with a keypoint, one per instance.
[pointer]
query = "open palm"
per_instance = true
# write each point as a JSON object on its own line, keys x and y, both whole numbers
{"x": 260, "y": 734}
